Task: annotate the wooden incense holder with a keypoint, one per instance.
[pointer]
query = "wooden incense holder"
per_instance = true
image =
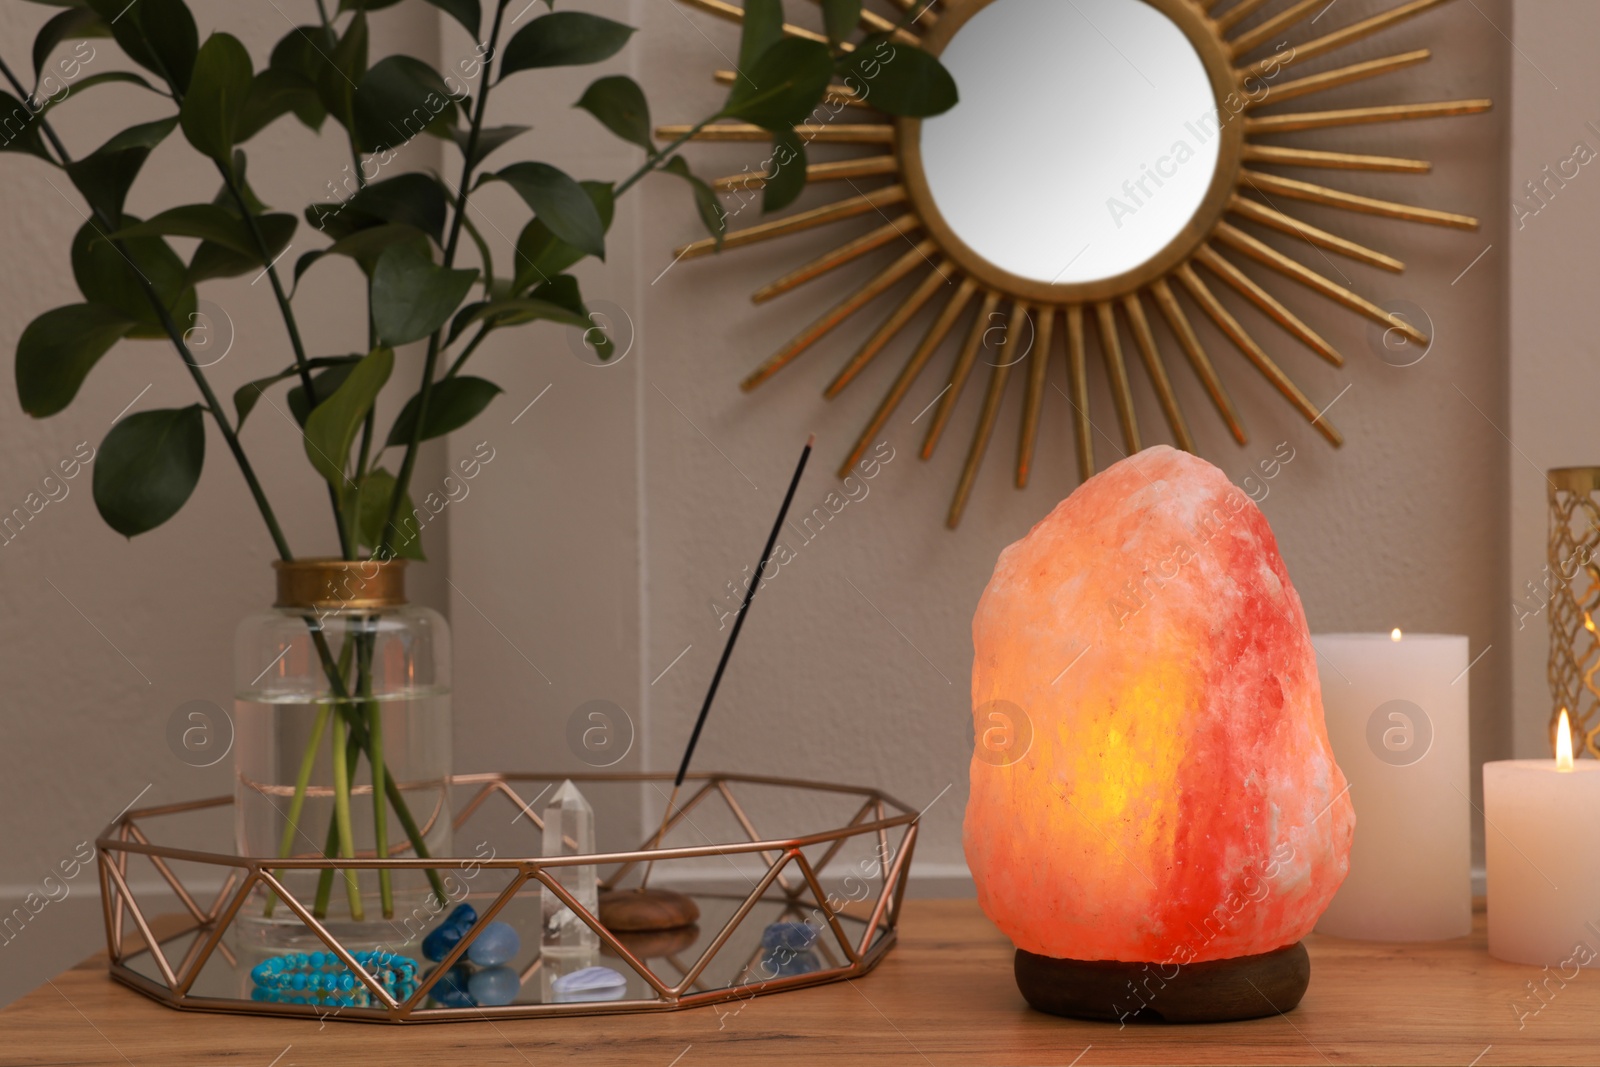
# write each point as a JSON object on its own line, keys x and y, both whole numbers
{"x": 636, "y": 910}
{"x": 1248, "y": 987}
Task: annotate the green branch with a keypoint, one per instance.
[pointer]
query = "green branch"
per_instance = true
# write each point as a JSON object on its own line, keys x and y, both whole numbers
{"x": 402, "y": 481}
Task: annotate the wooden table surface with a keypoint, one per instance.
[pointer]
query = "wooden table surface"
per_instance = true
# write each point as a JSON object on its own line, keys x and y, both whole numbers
{"x": 944, "y": 996}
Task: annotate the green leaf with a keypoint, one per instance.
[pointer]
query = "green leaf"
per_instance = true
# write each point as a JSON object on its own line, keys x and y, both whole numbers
{"x": 74, "y": 22}
{"x": 274, "y": 93}
{"x": 147, "y": 467}
{"x": 340, "y": 69}
{"x": 214, "y": 260}
{"x": 514, "y": 311}
{"x": 566, "y": 209}
{"x": 159, "y": 35}
{"x": 211, "y": 260}
{"x": 705, "y": 200}
{"x": 366, "y": 246}
{"x": 105, "y": 175}
{"x": 398, "y": 99}
{"x": 786, "y": 171}
{"x": 216, "y": 97}
{"x": 301, "y": 54}
{"x": 619, "y": 104}
{"x": 108, "y": 275}
{"x": 412, "y": 296}
{"x": 303, "y": 51}
{"x": 762, "y": 27}
{"x": 899, "y": 79}
{"x": 840, "y": 17}
{"x": 415, "y": 199}
{"x": 246, "y": 396}
{"x": 332, "y": 425}
{"x": 783, "y": 86}
{"x": 83, "y": 84}
{"x": 463, "y": 11}
{"x": 541, "y": 255}
{"x": 372, "y": 511}
{"x": 563, "y": 39}
{"x": 563, "y": 292}
{"x": 324, "y": 383}
{"x": 489, "y": 139}
{"x": 206, "y": 221}
{"x": 19, "y": 130}
{"x": 59, "y": 348}
{"x": 452, "y": 403}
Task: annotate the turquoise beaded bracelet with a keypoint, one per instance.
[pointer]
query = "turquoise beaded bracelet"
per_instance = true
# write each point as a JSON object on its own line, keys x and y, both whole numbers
{"x": 324, "y": 971}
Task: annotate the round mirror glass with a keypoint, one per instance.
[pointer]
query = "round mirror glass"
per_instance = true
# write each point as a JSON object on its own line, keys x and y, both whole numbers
{"x": 1085, "y": 139}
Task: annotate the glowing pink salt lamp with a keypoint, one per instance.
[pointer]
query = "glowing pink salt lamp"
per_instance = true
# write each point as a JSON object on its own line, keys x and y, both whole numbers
{"x": 1156, "y": 817}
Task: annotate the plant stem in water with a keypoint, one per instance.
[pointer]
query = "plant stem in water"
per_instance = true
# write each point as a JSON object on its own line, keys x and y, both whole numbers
{"x": 341, "y": 813}
{"x": 302, "y": 781}
{"x": 372, "y": 711}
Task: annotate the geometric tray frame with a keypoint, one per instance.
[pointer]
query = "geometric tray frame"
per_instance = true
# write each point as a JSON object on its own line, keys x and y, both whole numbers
{"x": 879, "y": 815}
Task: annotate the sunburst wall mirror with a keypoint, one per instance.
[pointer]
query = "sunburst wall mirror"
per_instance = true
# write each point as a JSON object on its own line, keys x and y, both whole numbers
{"x": 1109, "y": 161}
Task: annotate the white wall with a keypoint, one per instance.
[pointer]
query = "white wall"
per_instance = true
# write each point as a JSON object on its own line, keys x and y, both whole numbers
{"x": 1554, "y": 377}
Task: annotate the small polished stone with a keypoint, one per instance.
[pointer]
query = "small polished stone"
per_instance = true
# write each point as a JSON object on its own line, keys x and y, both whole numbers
{"x": 437, "y": 945}
{"x": 452, "y": 988}
{"x": 796, "y": 937}
{"x": 495, "y": 944}
{"x": 782, "y": 963}
{"x": 493, "y": 986}
{"x": 588, "y": 980}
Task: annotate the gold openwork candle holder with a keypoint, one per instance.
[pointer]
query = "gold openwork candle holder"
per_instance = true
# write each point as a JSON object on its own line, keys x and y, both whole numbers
{"x": 1570, "y": 591}
{"x": 838, "y": 865}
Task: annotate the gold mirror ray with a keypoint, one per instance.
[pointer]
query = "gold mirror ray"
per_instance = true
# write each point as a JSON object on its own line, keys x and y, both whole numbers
{"x": 905, "y": 226}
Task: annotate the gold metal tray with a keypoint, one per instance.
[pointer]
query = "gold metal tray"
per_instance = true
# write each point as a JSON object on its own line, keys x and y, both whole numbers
{"x": 204, "y": 962}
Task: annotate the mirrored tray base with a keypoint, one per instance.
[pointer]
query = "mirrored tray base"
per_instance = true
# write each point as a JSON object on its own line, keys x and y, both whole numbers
{"x": 843, "y": 876}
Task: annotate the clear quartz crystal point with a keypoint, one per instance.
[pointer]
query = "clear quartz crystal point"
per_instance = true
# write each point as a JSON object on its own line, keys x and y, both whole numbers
{"x": 569, "y": 831}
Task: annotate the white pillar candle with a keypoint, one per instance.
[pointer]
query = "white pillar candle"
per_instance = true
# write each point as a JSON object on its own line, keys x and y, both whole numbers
{"x": 1396, "y": 708}
{"x": 1544, "y": 880}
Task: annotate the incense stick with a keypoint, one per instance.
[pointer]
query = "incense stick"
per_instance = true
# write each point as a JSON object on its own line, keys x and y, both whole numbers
{"x": 727, "y": 650}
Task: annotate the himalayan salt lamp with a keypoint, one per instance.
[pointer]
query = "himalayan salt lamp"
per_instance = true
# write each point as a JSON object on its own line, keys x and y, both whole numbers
{"x": 1168, "y": 820}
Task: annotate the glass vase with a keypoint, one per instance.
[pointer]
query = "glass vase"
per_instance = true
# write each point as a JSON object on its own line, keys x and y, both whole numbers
{"x": 342, "y": 748}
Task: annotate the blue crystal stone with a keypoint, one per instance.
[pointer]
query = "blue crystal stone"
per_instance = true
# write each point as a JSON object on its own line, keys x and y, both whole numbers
{"x": 493, "y": 986}
{"x": 781, "y": 963}
{"x": 496, "y": 943}
{"x": 437, "y": 945}
{"x": 451, "y": 990}
{"x": 796, "y": 937}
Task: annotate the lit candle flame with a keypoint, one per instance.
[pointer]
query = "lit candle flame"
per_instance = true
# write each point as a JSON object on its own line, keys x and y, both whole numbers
{"x": 1588, "y": 623}
{"x": 1394, "y": 635}
{"x": 1564, "y": 743}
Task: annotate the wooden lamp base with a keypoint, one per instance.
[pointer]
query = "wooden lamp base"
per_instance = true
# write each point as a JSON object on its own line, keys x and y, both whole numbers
{"x": 638, "y": 910}
{"x": 1248, "y": 987}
